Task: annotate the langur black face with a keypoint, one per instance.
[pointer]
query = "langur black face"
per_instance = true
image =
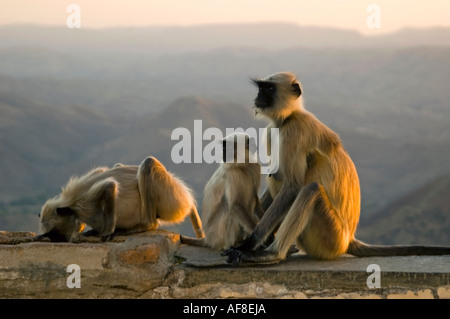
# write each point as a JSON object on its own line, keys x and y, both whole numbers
{"x": 58, "y": 224}
{"x": 266, "y": 94}
{"x": 236, "y": 148}
{"x": 280, "y": 87}
{"x": 230, "y": 150}
{"x": 224, "y": 151}
{"x": 54, "y": 236}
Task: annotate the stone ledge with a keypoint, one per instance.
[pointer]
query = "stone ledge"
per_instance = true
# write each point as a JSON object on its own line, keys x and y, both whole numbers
{"x": 124, "y": 268}
{"x": 155, "y": 265}
{"x": 205, "y": 273}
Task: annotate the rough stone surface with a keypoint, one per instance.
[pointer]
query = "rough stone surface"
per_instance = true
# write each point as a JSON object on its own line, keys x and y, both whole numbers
{"x": 443, "y": 292}
{"x": 155, "y": 265}
{"x": 204, "y": 273}
{"x": 141, "y": 255}
{"x": 421, "y": 294}
{"x": 125, "y": 268}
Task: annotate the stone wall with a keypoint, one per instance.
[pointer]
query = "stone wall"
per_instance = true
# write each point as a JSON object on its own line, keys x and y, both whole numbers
{"x": 155, "y": 265}
{"x": 125, "y": 268}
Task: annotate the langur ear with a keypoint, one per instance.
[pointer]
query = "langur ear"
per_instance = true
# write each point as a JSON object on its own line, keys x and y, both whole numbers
{"x": 255, "y": 81}
{"x": 65, "y": 211}
{"x": 296, "y": 89}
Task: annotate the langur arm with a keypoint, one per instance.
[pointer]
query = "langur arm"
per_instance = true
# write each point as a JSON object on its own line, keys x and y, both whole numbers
{"x": 266, "y": 199}
{"x": 262, "y": 205}
{"x": 108, "y": 210}
{"x": 259, "y": 211}
{"x": 103, "y": 221}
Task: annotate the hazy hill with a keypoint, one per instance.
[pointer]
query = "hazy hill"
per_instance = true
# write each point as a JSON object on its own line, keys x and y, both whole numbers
{"x": 39, "y": 141}
{"x": 385, "y": 92}
{"x": 176, "y": 39}
{"x": 421, "y": 216}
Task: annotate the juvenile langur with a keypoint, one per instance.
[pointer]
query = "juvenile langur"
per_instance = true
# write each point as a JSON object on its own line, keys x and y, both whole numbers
{"x": 231, "y": 207}
{"x": 314, "y": 198}
{"x": 124, "y": 199}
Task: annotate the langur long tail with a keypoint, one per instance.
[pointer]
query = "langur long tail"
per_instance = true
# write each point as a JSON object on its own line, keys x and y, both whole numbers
{"x": 360, "y": 249}
{"x": 199, "y": 242}
{"x": 196, "y": 223}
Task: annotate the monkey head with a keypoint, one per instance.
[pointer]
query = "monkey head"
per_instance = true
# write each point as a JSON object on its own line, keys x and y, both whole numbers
{"x": 58, "y": 222}
{"x": 239, "y": 148}
{"x": 278, "y": 95}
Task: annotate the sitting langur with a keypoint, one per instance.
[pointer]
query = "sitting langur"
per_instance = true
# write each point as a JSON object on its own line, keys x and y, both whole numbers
{"x": 231, "y": 207}
{"x": 124, "y": 199}
{"x": 314, "y": 198}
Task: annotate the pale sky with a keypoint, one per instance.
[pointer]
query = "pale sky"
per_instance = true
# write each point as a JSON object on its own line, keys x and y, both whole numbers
{"x": 348, "y": 14}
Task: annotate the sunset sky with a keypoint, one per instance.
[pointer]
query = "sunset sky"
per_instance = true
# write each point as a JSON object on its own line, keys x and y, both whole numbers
{"x": 348, "y": 14}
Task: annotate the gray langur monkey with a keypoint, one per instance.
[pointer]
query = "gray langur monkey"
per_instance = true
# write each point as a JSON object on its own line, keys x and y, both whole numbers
{"x": 314, "y": 198}
{"x": 231, "y": 206}
{"x": 124, "y": 199}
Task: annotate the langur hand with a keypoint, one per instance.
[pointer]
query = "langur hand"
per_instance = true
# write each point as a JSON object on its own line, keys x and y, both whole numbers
{"x": 234, "y": 256}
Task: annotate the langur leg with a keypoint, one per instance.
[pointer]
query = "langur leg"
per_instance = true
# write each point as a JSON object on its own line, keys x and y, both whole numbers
{"x": 310, "y": 207}
{"x": 315, "y": 224}
{"x": 147, "y": 193}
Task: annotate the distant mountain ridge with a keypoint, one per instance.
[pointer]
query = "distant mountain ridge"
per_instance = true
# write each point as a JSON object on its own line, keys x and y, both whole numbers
{"x": 35, "y": 138}
{"x": 175, "y": 39}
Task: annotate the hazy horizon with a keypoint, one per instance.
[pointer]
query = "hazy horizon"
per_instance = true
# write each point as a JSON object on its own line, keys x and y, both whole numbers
{"x": 348, "y": 14}
{"x": 119, "y": 27}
